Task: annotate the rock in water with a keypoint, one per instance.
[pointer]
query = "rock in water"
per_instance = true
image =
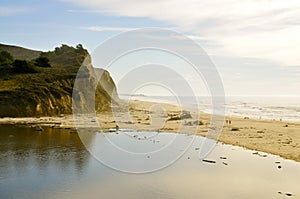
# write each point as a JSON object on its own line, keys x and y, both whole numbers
{"x": 38, "y": 128}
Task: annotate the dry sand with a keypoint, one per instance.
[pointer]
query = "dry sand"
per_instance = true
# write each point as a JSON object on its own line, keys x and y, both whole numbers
{"x": 276, "y": 137}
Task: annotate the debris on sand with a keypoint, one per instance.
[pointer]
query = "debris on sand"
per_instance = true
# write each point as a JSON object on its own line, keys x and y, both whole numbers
{"x": 209, "y": 161}
{"x": 180, "y": 116}
{"x": 260, "y": 155}
{"x": 225, "y": 163}
{"x": 287, "y": 194}
{"x": 198, "y": 122}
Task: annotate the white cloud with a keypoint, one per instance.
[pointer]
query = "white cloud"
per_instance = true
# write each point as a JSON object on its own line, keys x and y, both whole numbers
{"x": 265, "y": 29}
{"x": 11, "y": 11}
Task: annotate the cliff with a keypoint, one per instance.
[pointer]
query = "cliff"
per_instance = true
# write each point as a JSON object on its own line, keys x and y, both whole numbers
{"x": 29, "y": 88}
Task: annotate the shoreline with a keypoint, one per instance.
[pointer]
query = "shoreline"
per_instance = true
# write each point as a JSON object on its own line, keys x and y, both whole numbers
{"x": 280, "y": 138}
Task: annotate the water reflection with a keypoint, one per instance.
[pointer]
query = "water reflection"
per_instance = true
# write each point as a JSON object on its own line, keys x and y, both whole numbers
{"x": 26, "y": 147}
{"x": 55, "y": 164}
{"x": 31, "y": 160}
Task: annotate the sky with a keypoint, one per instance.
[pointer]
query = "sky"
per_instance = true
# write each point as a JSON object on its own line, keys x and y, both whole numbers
{"x": 254, "y": 44}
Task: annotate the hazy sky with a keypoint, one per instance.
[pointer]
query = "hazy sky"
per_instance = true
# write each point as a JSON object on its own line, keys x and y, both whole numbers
{"x": 254, "y": 44}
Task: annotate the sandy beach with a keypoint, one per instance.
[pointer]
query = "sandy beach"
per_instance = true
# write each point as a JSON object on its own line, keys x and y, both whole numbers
{"x": 276, "y": 137}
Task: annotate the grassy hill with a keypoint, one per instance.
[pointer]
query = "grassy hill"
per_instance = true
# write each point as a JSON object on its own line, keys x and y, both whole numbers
{"x": 46, "y": 91}
{"x": 19, "y": 52}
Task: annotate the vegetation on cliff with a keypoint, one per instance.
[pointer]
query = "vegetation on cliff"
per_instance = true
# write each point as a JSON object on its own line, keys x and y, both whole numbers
{"x": 34, "y": 83}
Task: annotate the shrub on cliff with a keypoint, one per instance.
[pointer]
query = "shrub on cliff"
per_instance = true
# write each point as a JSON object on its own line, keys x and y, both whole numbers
{"x": 42, "y": 62}
{"x": 6, "y": 57}
{"x": 23, "y": 66}
{"x": 6, "y": 60}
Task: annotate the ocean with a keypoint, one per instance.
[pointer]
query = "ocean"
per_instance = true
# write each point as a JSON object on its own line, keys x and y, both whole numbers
{"x": 285, "y": 108}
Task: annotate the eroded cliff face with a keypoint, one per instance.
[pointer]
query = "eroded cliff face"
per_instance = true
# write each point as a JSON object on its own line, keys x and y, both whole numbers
{"x": 49, "y": 92}
{"x": 42, "y": 101}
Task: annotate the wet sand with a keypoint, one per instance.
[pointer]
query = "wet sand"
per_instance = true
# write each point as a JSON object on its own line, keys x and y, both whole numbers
{"x": 276, "y": 137}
